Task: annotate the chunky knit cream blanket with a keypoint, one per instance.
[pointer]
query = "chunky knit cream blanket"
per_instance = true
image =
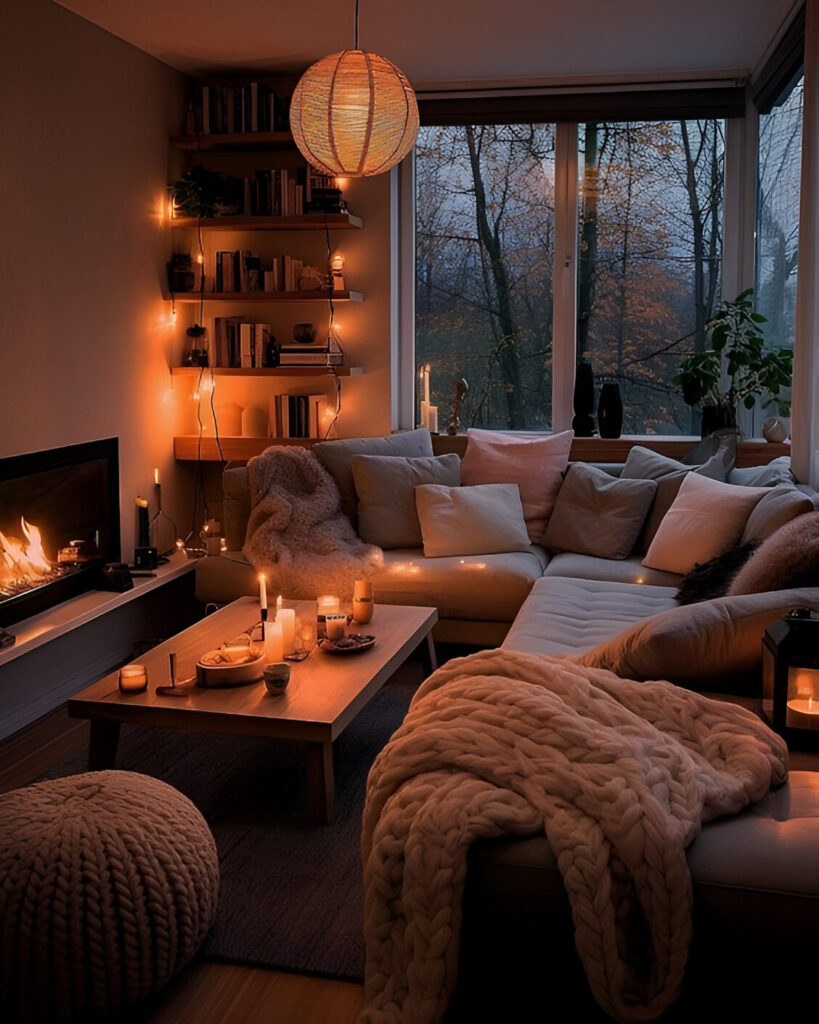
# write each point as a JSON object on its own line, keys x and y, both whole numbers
{"x": 620, "y": 775}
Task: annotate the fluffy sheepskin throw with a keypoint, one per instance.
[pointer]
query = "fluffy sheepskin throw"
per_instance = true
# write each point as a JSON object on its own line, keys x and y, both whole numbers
{"x": 788, "y": 558}
{"x": 297, "y": 533}
{"x": 620, "y": 776}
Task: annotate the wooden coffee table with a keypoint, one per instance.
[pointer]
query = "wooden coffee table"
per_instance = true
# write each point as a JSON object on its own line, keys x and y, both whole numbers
{"x": 325, "y": 694}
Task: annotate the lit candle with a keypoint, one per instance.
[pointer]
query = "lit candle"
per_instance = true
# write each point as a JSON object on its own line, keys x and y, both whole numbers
{"x": 273, "y": 642}
{"x": 336, "y": 625}
{"x": 133, "y": 678}
{"x": 278, "y": 603}
{"x": 262, "y": 592}
{"x": 327, "y": 604}
{"x": 156, "y": 478}
{"x": 286, "y": 617}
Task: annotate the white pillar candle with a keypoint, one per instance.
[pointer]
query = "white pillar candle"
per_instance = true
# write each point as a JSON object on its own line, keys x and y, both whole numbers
{"x": 432, "y": 419}
{"x": 273, "y": 642}
{"x": 286, "y": 617}
{"x": 262, "y": 592}
{"x": 425, "y": 414}
{"x": 427, "y": 369}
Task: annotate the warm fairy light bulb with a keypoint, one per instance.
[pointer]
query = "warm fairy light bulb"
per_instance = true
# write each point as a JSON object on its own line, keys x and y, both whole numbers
{"x": 338, "y": 262}
{"x": 200, "y": 257}
{"x": 206, "y": 386}
{"x": 180, "y": 544}
{"x": 196, "y": 395}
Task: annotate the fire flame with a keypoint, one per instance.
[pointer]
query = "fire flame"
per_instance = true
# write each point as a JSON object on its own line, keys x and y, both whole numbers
{"x": 23, "y": 560}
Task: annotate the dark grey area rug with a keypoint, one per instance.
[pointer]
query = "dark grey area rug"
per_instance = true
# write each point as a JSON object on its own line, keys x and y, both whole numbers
{"x": 291, "y": 892}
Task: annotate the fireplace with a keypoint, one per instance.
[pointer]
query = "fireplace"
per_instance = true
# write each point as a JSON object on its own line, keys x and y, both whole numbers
{"x": 59, "y": 523}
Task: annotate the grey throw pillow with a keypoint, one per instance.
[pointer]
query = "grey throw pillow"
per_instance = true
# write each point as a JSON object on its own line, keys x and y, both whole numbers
{"x": 337, "y": 457}
{"x": 774, "y": 509}
{"x": 597, "y": 514}
{"x": 644, "y": 464}
{"x": 777, "y": 471}
{"x": 385, "y": 485}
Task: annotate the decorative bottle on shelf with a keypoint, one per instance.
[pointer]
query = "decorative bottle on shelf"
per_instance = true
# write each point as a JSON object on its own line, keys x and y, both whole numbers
{"x": 610, "y": 411}
{"x": 272, "y": 353}
{"x": 583, "y": 421}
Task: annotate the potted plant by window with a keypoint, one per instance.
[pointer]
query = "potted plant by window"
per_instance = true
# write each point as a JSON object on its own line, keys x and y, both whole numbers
{"x": 751, "y": 370}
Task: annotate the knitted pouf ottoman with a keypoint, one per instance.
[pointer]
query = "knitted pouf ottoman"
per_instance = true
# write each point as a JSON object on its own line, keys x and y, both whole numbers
{"x": 108, "y": 884}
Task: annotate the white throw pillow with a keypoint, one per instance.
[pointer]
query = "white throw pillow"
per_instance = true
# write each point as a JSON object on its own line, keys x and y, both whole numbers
{"x": 706, "y": 518}
{"x": 484, "y": 519}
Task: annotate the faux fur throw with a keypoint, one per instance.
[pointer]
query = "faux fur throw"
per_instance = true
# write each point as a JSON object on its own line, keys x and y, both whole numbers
{"x": 620, "y": 776}
{"x": 297, "y": 533}
{"x": 788, "y": 558}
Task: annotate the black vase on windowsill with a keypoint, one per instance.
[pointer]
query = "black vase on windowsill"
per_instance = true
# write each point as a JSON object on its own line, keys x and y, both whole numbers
{"x": 583, "y": 401}
{"x": 610, "y": 411}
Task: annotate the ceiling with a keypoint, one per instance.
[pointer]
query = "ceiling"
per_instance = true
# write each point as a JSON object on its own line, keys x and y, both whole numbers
{"x": 450, "y": 42}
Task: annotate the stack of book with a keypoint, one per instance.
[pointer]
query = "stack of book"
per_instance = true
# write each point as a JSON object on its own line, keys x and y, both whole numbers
{"x": 276, "y": 193}
{"x": 311, "y": 355}
{"x": 295, "y": 415}
{"x": 248, "y": 107}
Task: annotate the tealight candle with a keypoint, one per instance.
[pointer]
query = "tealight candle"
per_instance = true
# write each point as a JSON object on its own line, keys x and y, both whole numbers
{"x": 336, "y": 625}
{"x": 327, "y": 604}
{"x": 273, "y": 642}
{"x": 286, "y": 617}
{"x": 133, "y": 678}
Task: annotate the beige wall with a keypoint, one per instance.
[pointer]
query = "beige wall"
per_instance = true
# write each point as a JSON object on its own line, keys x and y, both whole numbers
{"x": 84, "y": 337}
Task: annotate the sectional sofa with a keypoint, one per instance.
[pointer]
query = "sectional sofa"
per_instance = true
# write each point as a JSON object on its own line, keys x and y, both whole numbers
{"x": 755, "y": 884}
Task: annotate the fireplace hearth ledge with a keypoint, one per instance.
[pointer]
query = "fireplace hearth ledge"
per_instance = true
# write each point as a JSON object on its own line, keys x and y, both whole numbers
{"x": 60, "y": 651}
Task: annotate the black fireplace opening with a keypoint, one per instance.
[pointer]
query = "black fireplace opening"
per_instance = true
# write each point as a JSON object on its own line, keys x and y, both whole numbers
{"x": 59, "y": 523}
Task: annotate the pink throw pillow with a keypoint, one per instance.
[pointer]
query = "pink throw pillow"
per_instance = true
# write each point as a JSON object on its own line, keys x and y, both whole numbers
{"x": 536, "y": 464}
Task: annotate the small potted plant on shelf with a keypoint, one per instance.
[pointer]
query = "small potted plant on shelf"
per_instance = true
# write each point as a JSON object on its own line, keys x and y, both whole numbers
{"x": 201, "y": 192}
{"x": 751, "y": 369}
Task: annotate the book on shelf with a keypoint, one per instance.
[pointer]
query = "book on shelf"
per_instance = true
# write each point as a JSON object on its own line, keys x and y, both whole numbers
{"x": 239, "y": 343}
{"x": 295, "y": 415}
{"x": 311, "y": 355}
{"x": 243, "y": 107}
{"x": 242, "y": 271}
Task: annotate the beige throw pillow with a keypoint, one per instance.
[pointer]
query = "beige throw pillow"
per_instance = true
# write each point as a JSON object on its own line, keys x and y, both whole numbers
{"x": 482, "y": 520}
{"x": 597, "y": 514}
{"x": 779, "y": 505}
{"x": 386, "y": 484}
{"x": 707, "y": 518}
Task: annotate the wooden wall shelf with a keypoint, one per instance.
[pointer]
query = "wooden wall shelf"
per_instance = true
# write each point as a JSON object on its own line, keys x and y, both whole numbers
{"x": 186, "y": 447}
{"x": 268, "y": 371}
{"x": 319, "y": 295}
{"x": 302, "y": 222}
{"x": 234, "y": 140}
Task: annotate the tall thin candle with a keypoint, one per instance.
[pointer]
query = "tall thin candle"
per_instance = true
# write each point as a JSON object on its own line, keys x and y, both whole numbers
{"x": 262, "y": 592}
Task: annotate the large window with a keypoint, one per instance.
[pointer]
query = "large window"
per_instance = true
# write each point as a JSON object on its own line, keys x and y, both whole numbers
{"x": 648, "y": 267}
{"x": 651, "y": 199}
{"x": 484, "y": 258}
{"x": 777, "y": 213}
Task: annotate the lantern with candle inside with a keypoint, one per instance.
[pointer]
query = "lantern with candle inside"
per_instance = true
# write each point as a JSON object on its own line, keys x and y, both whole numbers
{"x": 790, "y": 672}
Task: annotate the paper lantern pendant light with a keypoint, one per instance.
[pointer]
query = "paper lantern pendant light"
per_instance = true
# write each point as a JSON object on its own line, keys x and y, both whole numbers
{"x": 354, "y": 114}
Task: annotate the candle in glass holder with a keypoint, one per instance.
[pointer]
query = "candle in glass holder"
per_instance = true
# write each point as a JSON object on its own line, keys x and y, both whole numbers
{"x": 327, "y": 604}
{"x": 362, "y": 601}
{"x": 336, "y": 625}
{"x": 133, "y": 679}
{"x": 287, "y": 618}
{"x": 306, "y": 633}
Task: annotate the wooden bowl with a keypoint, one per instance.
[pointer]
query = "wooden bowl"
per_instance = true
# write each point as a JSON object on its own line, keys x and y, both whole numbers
{"x": 225, "y": 675}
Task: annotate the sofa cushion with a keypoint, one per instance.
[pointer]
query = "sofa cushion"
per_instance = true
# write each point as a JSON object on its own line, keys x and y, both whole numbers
{"x": 707, "y": 518}
{"x": 572, "y": 615}
{"x": 626, "y": 570}
{"x": 535, "y": 463}
{"x": 487, "y": 587}
{"x": 777, "y": 471}
{"x": 337, "y": 457}
{"x": 780, "y": 505}
{"x": 790, "y": 558}
{"x": 597, "y": 514}
{"x": 645, "y": 464}
{"x": 385, "y": 485}
{"x": 711, "y": 645}
{"x": 484, "y": 519}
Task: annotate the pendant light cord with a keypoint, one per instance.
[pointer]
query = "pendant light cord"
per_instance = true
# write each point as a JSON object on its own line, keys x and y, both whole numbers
{"x": 356, "y": 24}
